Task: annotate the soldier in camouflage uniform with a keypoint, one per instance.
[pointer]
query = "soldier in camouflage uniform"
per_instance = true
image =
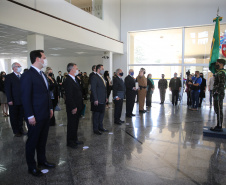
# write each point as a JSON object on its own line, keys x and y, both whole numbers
{"x": 218, "y": 93}
{"x": 162, "y": 85}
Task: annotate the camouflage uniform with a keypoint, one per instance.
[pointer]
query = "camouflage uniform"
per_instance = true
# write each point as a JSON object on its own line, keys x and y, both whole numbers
{"x": 218, "y": 94}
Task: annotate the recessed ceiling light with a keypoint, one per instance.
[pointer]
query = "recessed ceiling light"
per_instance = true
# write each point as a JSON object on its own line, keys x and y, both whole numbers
{"x": 6, "y": 53}
{"x": 20, "y": 42}
{"x": 25, "y": 51}
{"x": 55, "y": 54}
{"x": 57, "y": 48}
{"x": 80, "y": 53}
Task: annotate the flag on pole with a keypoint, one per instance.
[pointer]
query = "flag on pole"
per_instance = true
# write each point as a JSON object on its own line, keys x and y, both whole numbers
{"x": 214, "y": 54}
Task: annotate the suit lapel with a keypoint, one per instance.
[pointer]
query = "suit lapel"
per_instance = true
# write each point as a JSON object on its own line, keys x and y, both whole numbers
{"x": 39, "y": 76}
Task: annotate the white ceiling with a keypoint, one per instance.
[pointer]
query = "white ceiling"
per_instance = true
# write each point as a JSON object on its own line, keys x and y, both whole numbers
{"x": 10, "y": 34}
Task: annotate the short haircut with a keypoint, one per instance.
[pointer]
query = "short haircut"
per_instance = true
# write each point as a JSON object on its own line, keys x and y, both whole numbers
{"x": 70, "y": 66}
{"x": 59, "y": 71}
{"x": 14, "y": 64}
{"x": 197, "y": 72}
{"x": 98, "y": 66}
{"x": 93, "y": 67}
{"x": 117, "y": 70}
{"x": 34, "y": 54}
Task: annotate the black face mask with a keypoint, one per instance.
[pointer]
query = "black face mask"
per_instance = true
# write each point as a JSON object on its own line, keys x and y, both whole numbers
{"x": 50, "y": 74}
{"x": 196, "y": 75}
{"x": 201, "y": 76}
{"x": 121, "y": 74}
{"x": 217, "y": 66}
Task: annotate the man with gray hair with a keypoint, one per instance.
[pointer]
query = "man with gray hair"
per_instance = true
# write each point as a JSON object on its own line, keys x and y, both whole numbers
{"x": 131, "y": 92}
{"x": 118, "y": 96}
{"x": 12, "y": 89}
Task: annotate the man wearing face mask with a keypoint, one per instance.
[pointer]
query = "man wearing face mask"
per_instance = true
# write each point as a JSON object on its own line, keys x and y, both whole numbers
{"x": 142, "y": 81}
{"x": 195, "y": 87}
{"x": 162, "y": 85}
{"x": 74, "y": 105}
{"x": 12, "y": 89}
{"x": 118, "y": 96}
{"x": 218, "y": 93}
{"x": 38, "y": 111}
{"x": 131, "y": 92}
{"x": 175, "y": 87}
{"x": 98, "y": 99}
{"x": 202, "y": 93}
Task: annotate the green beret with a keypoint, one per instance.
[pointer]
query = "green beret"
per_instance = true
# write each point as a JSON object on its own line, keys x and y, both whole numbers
{"x": 222, "y": 61}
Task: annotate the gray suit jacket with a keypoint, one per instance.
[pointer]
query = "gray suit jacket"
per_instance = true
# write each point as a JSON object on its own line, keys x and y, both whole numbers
{"x": 98, "y": 89}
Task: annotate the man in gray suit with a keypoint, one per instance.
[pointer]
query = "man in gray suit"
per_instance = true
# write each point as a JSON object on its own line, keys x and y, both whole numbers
{"x": 98, "y": 99}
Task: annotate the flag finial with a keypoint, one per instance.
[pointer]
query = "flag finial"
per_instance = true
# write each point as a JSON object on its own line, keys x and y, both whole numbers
{"x": 218, "y": 11}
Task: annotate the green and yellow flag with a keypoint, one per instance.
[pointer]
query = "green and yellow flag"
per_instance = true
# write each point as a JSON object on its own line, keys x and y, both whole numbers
{"x": 214, "y": 54}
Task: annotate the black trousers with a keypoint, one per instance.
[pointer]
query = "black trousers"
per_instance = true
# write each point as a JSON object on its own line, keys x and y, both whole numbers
{"x": 72, "y": 127}
{"x": 98, "y": 118}
{"x": 36, "y": 141}
{"x": 118, "y": 110}
{"x": 130, "y": 100}
{"x": 16, "y": 113}
{"x": 175, "y": 96}
{"x": 148, "y": 99}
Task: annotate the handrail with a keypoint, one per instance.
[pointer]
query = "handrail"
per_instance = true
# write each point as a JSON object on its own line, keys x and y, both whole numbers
{"x": 25, "y": 6}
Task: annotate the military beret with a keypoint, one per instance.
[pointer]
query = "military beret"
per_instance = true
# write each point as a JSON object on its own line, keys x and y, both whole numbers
{"x": 222, "y": 61}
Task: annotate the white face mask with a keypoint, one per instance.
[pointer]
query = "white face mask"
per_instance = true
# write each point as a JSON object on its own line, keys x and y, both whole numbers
{"x": 76, "y": 73}
{"x": 102, "y": 72}
{"x": 44, "y": 65}
{"x": 19, "y": 69}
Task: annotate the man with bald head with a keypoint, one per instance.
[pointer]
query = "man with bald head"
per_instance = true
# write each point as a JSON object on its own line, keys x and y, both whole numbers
{"x": 131, "y": 92}
{"x": 12, "y": 89}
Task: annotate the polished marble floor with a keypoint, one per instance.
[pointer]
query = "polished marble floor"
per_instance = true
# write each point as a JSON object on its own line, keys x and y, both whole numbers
{"x": 163, "y": 146}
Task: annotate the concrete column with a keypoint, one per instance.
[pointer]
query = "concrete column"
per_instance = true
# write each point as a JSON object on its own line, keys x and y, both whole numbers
{"x": 107, "y": 62}
{"x": 34, "y": 42}
{"x": 8, "y": 66}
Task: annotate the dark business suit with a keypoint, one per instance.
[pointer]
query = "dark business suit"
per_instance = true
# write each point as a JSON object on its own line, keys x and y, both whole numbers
{"x": 118, "y": 87}
{"x": 73, "y": 100}
{"x": 90, "y": 77}
{"x": 60, "y": 80}
{"x": 98, "y": 93}
{"x": 36, "y": 101}
{"x": 130, "y": 94}
{"x": 16, "y": 112}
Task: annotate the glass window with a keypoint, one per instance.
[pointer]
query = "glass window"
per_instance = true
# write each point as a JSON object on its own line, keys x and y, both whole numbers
{"x": 198, "y": 43}
{"x": 156, "y": 47}
{"x": 93, "y": 7}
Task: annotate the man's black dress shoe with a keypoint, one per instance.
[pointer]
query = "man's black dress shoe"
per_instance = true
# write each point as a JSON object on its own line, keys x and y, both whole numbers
{"x": 117, "y": 123}
{"x": 97, "y": 132}
{"x": 18, "y": 134}
{"x": 79, "y": 142}
{"x": 35, "y": 171}
{"x": 133, "y": 115}
{"x": 103, "y": 130}
{"x": 72, "y": 145}
{"x": 128, "y": 116}
{"x": 47, "y": 165}
{"x": 141, "y": 111}
{"x": 120, "y": 121}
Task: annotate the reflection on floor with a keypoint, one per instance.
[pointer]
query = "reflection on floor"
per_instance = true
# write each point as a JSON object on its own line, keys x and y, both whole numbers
{"x": 163, "y": 146}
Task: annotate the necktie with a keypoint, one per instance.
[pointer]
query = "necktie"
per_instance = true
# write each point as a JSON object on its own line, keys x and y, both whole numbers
{"x": 43, "y": 77}
{"x": 18, "y": 76}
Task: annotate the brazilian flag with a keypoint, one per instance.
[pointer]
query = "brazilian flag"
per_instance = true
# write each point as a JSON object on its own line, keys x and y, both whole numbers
{"x": 214, "y": 54}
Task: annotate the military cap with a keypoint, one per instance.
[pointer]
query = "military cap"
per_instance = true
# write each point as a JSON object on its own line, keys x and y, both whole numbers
{"x": 222, "y": 61}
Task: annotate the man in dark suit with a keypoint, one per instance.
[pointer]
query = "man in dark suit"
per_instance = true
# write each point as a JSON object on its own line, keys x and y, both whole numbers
{"x": 74, "y": 105}
{"x": 37, "y": 106}
{"x": 98, "y": 99}
{"x": 93, "y": 73}
{"x": 60, "y": 82}
{"x": 12, "y": 89}
{"x": 118, "y": 96}
{"x": 131, "y": 92}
